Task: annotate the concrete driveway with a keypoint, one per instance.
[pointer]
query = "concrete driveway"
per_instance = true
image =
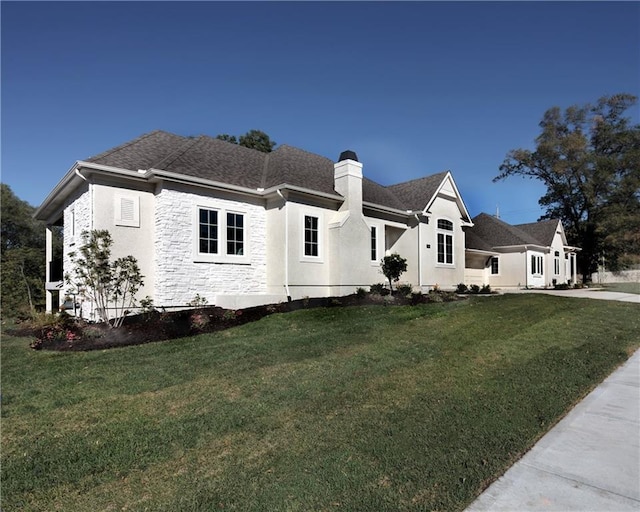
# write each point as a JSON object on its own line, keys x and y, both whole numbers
{"x": 586, "y": 293}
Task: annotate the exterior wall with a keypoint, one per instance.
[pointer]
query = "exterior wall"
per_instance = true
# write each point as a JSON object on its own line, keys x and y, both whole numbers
{"x": 445, "y": 276}
{"x": 512, "y": 270}
{"x": 564, "y": 273}
{"x": 77, "y": 217}
{"x": 135, "y": 239}
{"x": 179, "y": 274}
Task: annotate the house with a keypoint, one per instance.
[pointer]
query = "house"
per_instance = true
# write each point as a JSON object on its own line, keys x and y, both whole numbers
{"x": 240, "y": 227}
{"x": 526, "y": 255}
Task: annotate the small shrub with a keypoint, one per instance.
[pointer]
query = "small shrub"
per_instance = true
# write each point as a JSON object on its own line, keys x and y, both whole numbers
{"x": 361, "y": 293}
{"x": 197, "y": 301}
{"x": 198, "y": 320}
{"x": 334, "y": 302}
{"x": 474, "y": 288}
{"x": 561, "y": 286}
{"x": 435, "y": 296}
{"x": 377, "y": 288}
{"x": 404, "y": 289}
{"x": 462, "y": 288}
{"x": 486, "y": 289}
{"x": 305, "y": 301}
{"x": 230, "y": 315}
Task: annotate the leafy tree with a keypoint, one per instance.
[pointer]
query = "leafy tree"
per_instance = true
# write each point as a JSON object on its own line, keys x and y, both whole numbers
{"x": 392, "y": 267}
{"x": 111, "y": 286}
{"x": 253, "y": 139}
{"x": 22, "y": 248}
{"x": 588, "y": 157}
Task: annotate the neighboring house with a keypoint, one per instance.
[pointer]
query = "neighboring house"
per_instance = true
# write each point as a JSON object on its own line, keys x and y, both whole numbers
{"x": 240, "y": 227}
{"x": 526, "y": 255}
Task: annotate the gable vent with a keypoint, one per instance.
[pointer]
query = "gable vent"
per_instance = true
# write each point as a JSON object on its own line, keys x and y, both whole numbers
{"x": 127, "y": 211}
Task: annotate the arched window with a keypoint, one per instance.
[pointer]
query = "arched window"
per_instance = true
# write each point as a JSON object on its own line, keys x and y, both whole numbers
{"x": 445, "y": 241}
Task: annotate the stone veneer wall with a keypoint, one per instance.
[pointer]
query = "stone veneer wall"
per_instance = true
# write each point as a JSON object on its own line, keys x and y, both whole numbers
{"x": 178, "y": 277}
{"x": 80, "y": 204}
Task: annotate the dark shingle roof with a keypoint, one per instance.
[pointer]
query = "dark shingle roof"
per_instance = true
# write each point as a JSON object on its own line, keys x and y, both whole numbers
{"x": 543, "y": 230}
{"x": 213, "y": 159}
{"x": 473, "y": 241}
{"x": 497, "y": 233}
{"x": 416, "y": 193}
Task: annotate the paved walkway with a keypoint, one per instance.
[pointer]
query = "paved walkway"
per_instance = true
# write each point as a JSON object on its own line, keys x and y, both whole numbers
{"x": 586, "y": 293}
{"x": 590, "y": 461}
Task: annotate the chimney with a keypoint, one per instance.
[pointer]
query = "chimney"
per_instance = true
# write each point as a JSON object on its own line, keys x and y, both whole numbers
{"x": 348, "y": 181}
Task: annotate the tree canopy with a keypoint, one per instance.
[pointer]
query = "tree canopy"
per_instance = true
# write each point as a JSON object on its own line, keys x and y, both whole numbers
{"x": 253, "y": 139}
{"x": 23, "y": 255}
{"x": 588, "y": 157}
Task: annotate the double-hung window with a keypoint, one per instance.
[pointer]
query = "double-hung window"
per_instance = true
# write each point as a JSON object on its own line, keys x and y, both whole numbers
{"x": 536, "y": 264}
{"x": 495, "y": 266}
{"x": 445, "y": 241}
{"x": 221, "y": 235}
{"x": 311, "y": 239}
{"x": 556, "y": 263}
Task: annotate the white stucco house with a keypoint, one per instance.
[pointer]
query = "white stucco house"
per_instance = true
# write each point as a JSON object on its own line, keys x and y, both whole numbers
{"x": 531, "y": 255}
{"x": 240, "y": 227}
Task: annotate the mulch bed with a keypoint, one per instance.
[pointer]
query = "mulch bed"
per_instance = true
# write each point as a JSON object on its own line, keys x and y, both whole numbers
{"x": 73, "y": 335}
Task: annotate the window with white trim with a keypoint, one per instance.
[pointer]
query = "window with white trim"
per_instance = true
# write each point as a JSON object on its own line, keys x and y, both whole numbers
{"x": 221, "y": 235}
{"x": 374, "y": 243}
{"x": 536, "y": 264}
{"x": 311, "y": 236}
{"x": 445, "y": 241}
{"x": 495, "y": 265}
{"x": 556, "y": 263}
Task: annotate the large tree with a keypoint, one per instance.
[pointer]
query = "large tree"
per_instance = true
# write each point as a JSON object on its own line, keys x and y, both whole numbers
{"x": 588, "y": 157}
{"x": 23, "y": 255}
{"x": 254, "y": 139}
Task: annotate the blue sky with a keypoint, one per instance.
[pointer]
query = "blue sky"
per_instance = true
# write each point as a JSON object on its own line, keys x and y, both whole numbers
{"x": 414, "y": 88}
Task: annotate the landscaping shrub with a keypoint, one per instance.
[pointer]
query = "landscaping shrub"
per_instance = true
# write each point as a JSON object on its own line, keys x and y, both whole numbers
{"x": 462, "y": 288}
{"x": 361, "y": 293}
{"x": 474, "y": 288}
{"x": 485, "y": 289}
{"x": 404, "y": 289}
{"x": 379, "y": 289}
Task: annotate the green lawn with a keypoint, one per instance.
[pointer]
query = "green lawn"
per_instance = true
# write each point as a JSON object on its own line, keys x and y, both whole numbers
{"x": 622, "y": 287}
{"x": 367, "y": 408}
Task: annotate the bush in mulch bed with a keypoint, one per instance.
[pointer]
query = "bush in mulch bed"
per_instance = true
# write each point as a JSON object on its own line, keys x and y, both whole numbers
{"x": 68, "y": 334}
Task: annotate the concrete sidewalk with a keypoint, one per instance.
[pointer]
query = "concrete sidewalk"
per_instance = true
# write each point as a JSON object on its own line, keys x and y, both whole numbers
{"x": 590, "y": 461}
{"x": 586, "y": 293}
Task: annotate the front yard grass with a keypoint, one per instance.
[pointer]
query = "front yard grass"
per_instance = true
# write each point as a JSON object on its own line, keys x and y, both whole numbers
{"x": 628, "y": 287}
{"x": 361, "y": 408}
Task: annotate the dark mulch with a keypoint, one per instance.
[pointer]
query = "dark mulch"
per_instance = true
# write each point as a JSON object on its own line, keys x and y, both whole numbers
{"x": 73, "y": 335}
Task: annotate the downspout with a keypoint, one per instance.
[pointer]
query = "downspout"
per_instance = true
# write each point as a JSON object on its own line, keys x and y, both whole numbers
{"x": 419, "y": 254}
{"x": 286, "y": 245}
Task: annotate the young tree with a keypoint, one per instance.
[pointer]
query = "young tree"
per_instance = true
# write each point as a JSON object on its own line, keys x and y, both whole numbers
{"x": 392, "y": 267}
{"x": 111, "y": 286}
{"x": 588, "y": 157}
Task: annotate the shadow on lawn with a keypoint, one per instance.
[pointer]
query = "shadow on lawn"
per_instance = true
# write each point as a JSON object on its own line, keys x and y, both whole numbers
{"x": 68, "y": 334}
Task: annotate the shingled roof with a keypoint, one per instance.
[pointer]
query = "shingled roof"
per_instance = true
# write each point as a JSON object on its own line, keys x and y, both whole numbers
{"x": 217, "y": 160}
{"x": 489, "y": 231}
{"x": 543, "y": 230}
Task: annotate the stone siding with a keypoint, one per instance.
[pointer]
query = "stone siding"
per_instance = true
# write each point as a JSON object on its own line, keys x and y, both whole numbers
{"x": 179, "y": 277}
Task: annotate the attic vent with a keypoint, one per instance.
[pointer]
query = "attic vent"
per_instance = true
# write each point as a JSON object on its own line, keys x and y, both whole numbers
{"x": 127, "y": 211}
{"x": 348, "y": 155}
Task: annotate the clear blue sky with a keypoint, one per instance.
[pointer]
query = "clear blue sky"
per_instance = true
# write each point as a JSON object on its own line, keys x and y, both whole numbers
{"x": 414, "y": 88}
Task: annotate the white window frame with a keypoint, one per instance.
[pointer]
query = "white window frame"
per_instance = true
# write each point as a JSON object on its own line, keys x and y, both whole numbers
{"x": 446, "y": 233}
{"x": 305, "y": 257}
{"x": 556, "y": 263}
{"x": 491, "y": 272}
{"x": 133, "y": 221}
{"x": 221, "y": 256}
{"x": 379, "y": 243}
{"x": 537, "y": 265}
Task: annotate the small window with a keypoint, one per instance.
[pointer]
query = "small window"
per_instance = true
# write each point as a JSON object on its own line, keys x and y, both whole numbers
{"x": 311, "y": 236}
{"x": 445, "y": 224}
{"x": 495, "y": 265}
{"x": 556, "y": 263}
{"x": 374, "y": 244}
{"x": 235, "y": 234}
{"x": 208, "y": 229}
